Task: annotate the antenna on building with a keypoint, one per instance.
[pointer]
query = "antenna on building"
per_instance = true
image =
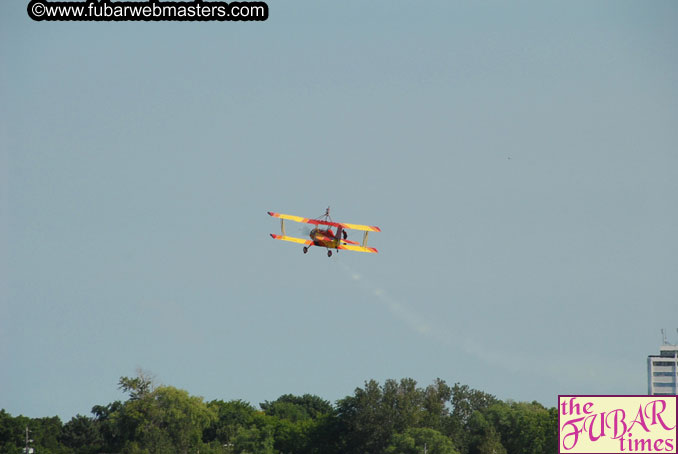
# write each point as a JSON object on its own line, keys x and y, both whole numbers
{"x": 664, "y": 342}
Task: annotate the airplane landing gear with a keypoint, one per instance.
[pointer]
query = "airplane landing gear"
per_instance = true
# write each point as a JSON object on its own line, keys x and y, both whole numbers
{"x": 305, "y": 249}
{"x": 329, "y": 253}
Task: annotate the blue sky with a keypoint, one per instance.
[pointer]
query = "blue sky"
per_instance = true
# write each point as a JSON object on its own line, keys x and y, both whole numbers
{"x": 521, "y": 159}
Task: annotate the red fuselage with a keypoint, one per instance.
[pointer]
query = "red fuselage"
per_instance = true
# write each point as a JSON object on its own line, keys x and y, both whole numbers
{"x": 325, "y": 238}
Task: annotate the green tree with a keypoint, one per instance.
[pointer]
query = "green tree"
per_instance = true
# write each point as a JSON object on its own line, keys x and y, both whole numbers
{"x": 524, "y": 428}
{"x": 107, "y": 420}
{"x": 394, "y": 418}
{"x": 484, "y": 438}
{"x": 45, "y": 433}
{"x": 419, "y": 440}
{"x": 81, "y": 434}
{"x": 305, "y": 436}
{"x": 402, "y": 403}
{"x": 165, "y": 420}
{"x": 374, "y": 413}
{"x": 139, "y": 386}
{"x": 325, "y": 435}
{"x": 230, "y": 416}
{"x": 436, "y": 413}
{"x": 465, "y": 402}
{"x": 363, "y": 425}
{"x": 287, "y": 411}
{"x": 253, "y": 440}
{"x": 296, "y": 408}
{"x": 12, "y": 432}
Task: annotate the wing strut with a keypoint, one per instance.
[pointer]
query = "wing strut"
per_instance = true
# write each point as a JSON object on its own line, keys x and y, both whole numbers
{"x": 365, "y": 238}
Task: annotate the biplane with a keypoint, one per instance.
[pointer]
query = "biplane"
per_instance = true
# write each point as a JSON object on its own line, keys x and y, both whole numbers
{"x": 325, "y": 237}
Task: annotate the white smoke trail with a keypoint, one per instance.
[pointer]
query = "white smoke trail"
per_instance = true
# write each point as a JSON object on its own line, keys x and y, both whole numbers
{"x": 401, "y": 311}
{"x": 573, "y": 371}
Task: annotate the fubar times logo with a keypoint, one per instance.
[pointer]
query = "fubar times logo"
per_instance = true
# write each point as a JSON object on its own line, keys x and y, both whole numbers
{"x": 617, "y": 424}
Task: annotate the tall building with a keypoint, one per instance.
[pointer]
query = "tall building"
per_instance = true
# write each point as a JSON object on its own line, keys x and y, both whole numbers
{"x": 662, "y": 371}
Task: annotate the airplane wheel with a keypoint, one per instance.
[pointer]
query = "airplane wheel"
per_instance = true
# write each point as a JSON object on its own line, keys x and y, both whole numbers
{"x": 329, "y": 253}
{"x": 305, "y": 249}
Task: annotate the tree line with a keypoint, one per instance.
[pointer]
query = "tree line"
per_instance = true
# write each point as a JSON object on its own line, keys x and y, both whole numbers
{"x": 396, "y": 417}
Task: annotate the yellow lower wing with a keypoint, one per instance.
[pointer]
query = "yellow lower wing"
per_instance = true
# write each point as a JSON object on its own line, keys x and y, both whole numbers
{"x": 350, "y": 247}
{"x": 292, "y": 239}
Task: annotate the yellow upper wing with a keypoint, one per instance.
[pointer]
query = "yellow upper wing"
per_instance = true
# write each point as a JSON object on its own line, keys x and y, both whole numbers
{"x": 289, "y": 217}
{"x": 369, "y": 228}
{"x": 343, "y": 225}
